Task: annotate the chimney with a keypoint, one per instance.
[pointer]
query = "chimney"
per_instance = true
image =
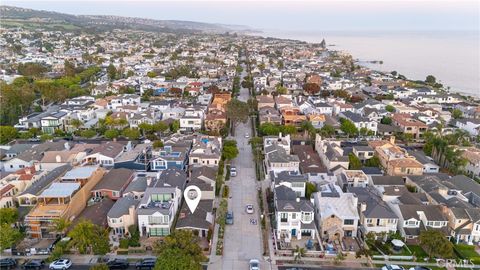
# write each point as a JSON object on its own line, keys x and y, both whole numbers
{"x": 149, "y": 181}
{"x": 28, "y": 170}
{"x": 363, "y": 207}
{"x": 392, "y": 139}
{"x": 58, "y": 158}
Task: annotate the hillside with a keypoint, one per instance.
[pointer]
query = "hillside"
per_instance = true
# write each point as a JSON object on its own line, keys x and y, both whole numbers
{"x": 30, "y": 18}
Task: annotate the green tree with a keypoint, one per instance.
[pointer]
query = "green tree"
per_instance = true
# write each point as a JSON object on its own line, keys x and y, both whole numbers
{"x": 151, "y": 74}
{"x": 61, "y": 225}
{"x": 310, "y": 189}
{"x": 230, "y": 150}
{"x": 327, "y": 131}
{"x": 46, "y": 137}
{"x": 111, "y": 134}
{"x": 7, "y": 133}
{"x": 88, "y": 133}
{"x": 430, "y": 79}
{"x": 288, "y": 129}
{"x": 69, "y": 69}
{"x": 373, "y": 162}
{"x": 354, "y": 162}
{"x": 131, "y": 133}
{"x": 101, "y": 242}
{"x": 281, "y": 90}
{"x": 457, "y": 114}
{"x": 160, "y": 126}
{"x": 436, "y": 244}
{"x": 8, "y": 236}
{"x": 269, "y": 129}
{"x": 390, "y": 108}
{"x": 237, "y": 111}
{"x": 32, "y": 69}
{"x": 76, "y": 123}
{"x": 175, "y": 126}
{"x": 179, "y": 251}
{"x": 82, "y": 235}
{"x": 112, "y": 72}
{"x": 8, "y": 215}
{"x": 348, "y": 127}
{"x": 311, "y": 88}
{"x": 386, "y": 120}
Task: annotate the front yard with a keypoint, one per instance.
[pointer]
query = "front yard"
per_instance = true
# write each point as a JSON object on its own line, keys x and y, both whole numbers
{"x": 467, "y": 252}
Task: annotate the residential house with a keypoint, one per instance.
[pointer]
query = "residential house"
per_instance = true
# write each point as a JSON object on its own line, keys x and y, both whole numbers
{"x": 331, "y": 153}
{"x": 65, "y": 199}
{"x": 106, "y": 153}
{"x": 415, "y": 218}
{"x": 294, "y": 216}
{"x": 122, "y": 215}
{"x": 206, "y": 151}
{"x": 375, "y": 214}
{"x": 429, "y": 165}
{"x": 352, "y": 178}
{"x": 396, "y": 160}
{"x": 113, "y": 184}
{"x": 278, "y": 160}
{"x": 360, "y": 121}
{"x": 409, "y": 125}
{"x": 293, "y": 180}
{"x": 472, "y": 126}
{"x": 160, "y": 203}
{"x": 336, "y": 213}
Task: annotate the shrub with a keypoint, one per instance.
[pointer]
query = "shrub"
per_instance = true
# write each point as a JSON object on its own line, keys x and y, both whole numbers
{"x": 124, "y": 243}
{"x": 226, "y": 191}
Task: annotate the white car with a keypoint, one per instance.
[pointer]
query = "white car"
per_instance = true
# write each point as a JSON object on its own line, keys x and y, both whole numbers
{"x": 247, "y": 136}
{"x": 392, "y": 267}
{"x": 249, "y": 209}
{"x": 254, "y": 264}
{"x": 61, "y": 264}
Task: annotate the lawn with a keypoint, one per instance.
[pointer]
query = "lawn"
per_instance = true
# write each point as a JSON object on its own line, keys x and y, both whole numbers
{"x": 468, "y": 252}
{"x": 418, "y": 252}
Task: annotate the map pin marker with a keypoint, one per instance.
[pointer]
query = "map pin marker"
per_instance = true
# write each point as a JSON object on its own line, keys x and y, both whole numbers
{"x": 192, "y": 195}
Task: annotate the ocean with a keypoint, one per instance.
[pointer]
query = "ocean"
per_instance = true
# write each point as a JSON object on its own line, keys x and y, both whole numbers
{"x": 452, "y": 57}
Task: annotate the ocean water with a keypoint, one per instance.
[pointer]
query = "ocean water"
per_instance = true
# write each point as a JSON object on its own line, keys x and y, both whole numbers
{"x": 452, "y": 57}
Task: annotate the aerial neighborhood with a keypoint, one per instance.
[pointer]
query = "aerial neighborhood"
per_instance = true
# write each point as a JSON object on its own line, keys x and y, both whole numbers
{"x": 102, "y": 132}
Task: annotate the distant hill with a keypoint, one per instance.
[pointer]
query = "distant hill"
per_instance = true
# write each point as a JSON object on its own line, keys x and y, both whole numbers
{"x": 16, "y": 16}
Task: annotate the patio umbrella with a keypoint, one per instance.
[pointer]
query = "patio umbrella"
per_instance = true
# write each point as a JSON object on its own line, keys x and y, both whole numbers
{"x": 398, "y": 243}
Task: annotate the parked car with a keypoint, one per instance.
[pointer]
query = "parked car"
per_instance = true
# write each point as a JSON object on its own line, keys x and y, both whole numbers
{"x": 61, "y": 264}
{"x": 33, "y": 264}
{"x": 229, "y": 218}
{"x": 247, "y": 136}
{"x": 7, "y": 263}
{"x": 392, "y": 267}
{"x": 254, "y": 264}
{"x": 233, "y": 171}
{"x": 146, "y": 264}
{"x": 419, "y": 268}
{"x": 117, "y": 264}
{"x": 249, "y": 208}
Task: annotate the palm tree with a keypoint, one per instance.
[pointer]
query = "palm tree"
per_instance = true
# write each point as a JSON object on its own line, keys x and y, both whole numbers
{"x": 61, "y": 225}
{"x": 298, "y": 253}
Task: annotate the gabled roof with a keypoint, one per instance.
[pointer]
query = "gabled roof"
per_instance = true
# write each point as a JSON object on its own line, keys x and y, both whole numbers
{"x": 115, "y": 179}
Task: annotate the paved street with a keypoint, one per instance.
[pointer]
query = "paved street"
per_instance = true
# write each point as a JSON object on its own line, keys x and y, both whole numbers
{"x": 242, "y": 239}
{"x": 318, "y": 268}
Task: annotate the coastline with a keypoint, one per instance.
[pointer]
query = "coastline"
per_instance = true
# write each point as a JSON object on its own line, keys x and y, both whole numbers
{"x": 454, "y": 68}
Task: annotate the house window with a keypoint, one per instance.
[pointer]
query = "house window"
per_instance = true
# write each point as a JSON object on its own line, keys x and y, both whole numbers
{"x": 159, "y": 231}
{"x": 158, "y": 219}
{"x": 116, "y": 194}
{"x": 283, "y": 217}
{"x": 294, "y": 215}
{"x": 306, "y": 216}
{"x": 348, "y": 222}
{"x": 369, "y": 221}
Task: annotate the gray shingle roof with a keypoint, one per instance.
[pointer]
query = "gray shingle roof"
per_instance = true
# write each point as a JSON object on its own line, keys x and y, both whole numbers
{"x": 121, "y": 207}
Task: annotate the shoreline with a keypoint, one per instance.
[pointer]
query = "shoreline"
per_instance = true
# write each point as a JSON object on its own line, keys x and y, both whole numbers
{"x": 365, "y": 62}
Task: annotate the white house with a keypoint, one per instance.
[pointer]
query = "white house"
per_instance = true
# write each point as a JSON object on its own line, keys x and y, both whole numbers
{"x": 294, "y": 216}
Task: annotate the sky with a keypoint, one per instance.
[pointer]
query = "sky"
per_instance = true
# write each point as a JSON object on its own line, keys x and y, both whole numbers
{"x": 353, "y": 15}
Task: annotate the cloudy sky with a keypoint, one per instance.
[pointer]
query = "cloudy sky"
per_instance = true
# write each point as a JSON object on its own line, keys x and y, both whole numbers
{"x": 287, "y": 15}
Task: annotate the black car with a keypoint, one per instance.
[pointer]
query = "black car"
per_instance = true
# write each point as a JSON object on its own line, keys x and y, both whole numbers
{"x": 33, "y": 264}
{"x": 145, "y": 264}
{"x": 7, "y": 263}
{"x": 117, "y": 264}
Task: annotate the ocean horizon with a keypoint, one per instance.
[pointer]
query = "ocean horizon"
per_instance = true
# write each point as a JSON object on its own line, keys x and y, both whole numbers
{"x": 453, "y": 57}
